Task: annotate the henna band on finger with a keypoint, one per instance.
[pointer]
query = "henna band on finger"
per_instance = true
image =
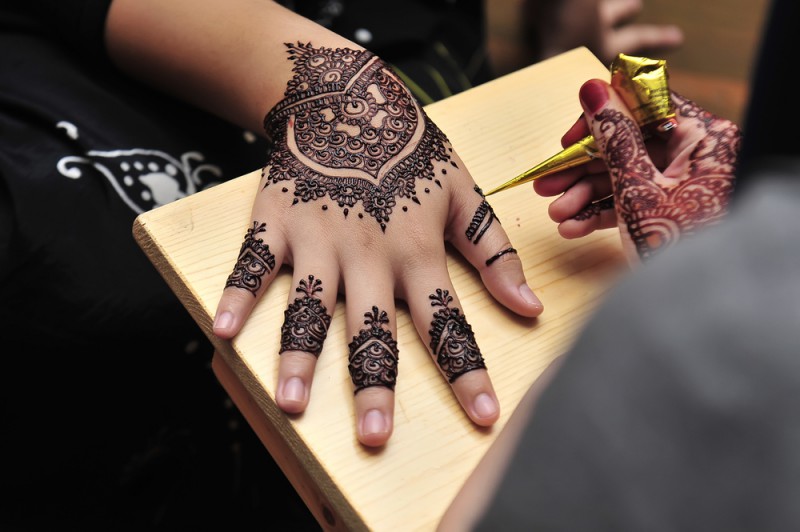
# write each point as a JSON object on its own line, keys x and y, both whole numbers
{"x": 306, "y": 321}
{"x": 595, "y": 208}
{"x": 499, "y": 254}
{"x": 373, "y": 354}
{"x": 452, "y": 340}
{"x": 254, "y": 262}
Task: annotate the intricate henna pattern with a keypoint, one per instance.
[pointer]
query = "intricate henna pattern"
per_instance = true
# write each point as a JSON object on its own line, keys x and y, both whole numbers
{"x": 373, "y": 354}
{"x": 306, "y": 321}
{"x": 452, "y": 340}
{"x": 595, "y": 208}
{"x": 481, "y": 220}
{"x": 349, "y": 130}
{"x": 254, "y": 262}
{"x": 658, "y": 211}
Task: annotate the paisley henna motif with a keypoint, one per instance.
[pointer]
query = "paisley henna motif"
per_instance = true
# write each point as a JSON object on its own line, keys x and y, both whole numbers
{"x": 349, "y": 130}
{"x": 452, "y": 340}
{"x": 373, "y": 354}
{"x": 306, "y": 321}
{"x": 254, "y": 262}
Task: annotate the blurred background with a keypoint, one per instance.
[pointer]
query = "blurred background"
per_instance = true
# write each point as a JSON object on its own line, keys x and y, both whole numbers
{"x": 713, "y": 67}
{"x": 714, "y": 64}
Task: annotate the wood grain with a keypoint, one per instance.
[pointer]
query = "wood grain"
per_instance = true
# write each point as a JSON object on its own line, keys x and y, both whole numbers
{"x": 499, "y": 129}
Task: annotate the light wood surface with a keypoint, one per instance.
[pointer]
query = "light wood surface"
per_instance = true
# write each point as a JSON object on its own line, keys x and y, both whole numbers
{"x": 499, "y": 129}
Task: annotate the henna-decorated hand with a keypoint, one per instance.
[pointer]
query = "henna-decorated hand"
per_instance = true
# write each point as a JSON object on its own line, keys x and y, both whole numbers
{"x": 657, "y": 192}
{"x": 359, "y": 195}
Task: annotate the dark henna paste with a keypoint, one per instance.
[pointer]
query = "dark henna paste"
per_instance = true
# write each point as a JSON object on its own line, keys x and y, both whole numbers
{"x": 348, "y": 129}
{"x": 254, "y": 262}
{"x": 306, "y": 321}
{"x": 373, "y": 354}
{"x": 452, "y": 340}
{"x": 499, "y": 254}
{"x": 595, "y": 208}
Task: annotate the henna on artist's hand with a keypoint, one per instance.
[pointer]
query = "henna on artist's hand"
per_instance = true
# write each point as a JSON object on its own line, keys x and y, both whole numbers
{"x": 655, "y": 191}
{"x": 657, "y": 210}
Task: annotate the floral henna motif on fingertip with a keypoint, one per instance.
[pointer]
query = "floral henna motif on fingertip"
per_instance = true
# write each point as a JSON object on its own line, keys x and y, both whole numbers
{"x": 254, "y": 262}
{"x": 348, "y": 129}
{"x": 306, "y": 321}
{"x": 452, "y": 340}
{"x": 373, "y": 354}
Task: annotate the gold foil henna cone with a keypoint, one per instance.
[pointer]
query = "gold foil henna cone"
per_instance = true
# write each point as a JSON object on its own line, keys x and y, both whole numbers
{"x": 643, "y": 85}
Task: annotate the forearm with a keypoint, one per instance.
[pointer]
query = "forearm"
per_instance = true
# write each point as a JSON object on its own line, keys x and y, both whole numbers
{"x": 228, "y": 58}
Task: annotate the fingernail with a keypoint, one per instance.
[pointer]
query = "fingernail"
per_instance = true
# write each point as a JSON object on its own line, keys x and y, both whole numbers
{"x": 594, "y": 95}
{"x": 224, "y": 320}
{"x": 528, "y": 295}
{"x": 294, "y": 390}
{"x": 373, "y": 423}
{"x": 485, "y": 406}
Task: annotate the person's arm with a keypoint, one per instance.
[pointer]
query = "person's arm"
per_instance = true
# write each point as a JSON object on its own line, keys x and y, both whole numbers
{"x": 359, "y": 194}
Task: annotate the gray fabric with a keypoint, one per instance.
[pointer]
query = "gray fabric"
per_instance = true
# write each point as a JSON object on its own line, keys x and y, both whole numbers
{"x": 679, "y": 407}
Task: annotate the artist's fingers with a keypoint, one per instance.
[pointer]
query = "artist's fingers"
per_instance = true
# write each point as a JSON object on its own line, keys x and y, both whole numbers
{"x": 440, "y": 322}
{"x": 477, "y": 233}
{"x": 579, "y": 196}
{"x": 597, "y": 215}
{"x": 259, "y": 260}
{"x": 575, "y": 133}
{"x": 305, "y": 326}
{"x": 373, "y": 351}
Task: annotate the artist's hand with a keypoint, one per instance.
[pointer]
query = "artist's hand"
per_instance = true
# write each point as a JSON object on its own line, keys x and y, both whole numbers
{"x": 359, "y": 195}
{"x": 656, "y": 192}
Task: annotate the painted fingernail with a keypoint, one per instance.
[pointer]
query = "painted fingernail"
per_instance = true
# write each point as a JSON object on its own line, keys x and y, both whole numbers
{"x": 224, "y": 320}
{"x": 294, "y": 390}
{"x": 528, "y": 295}
{"x": 594, "y": 95}
{"x": 485, "y": 406}
{"x": 374, "y": 423}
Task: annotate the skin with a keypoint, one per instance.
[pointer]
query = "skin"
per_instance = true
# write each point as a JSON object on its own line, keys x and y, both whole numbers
{"x": 700, "y": 153}
{"x": 255, "y": 64}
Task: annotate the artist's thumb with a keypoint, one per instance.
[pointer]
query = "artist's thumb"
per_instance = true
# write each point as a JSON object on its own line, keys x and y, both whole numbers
{"x": 621, "y": 145}
{"x": 612, "y": 125}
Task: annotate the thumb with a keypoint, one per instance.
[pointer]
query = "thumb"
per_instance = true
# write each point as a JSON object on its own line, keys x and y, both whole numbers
{"x": 622, "y": 146}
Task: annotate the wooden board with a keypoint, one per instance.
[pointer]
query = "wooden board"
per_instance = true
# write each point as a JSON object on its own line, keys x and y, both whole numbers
{"x": 499, "y": 129}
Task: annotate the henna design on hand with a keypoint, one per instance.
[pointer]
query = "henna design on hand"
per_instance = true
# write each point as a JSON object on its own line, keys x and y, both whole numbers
{"x": 348, "y": 129}
{"x": 595, "y": 208}
{"x": 306, "y": 321}
{"x": 658, "y": 211}
{"x": 452, "y": 340}
{"x": 254, "y": 262}
{"x": 373, "y": 354}
{"x": 484, "y": 214}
